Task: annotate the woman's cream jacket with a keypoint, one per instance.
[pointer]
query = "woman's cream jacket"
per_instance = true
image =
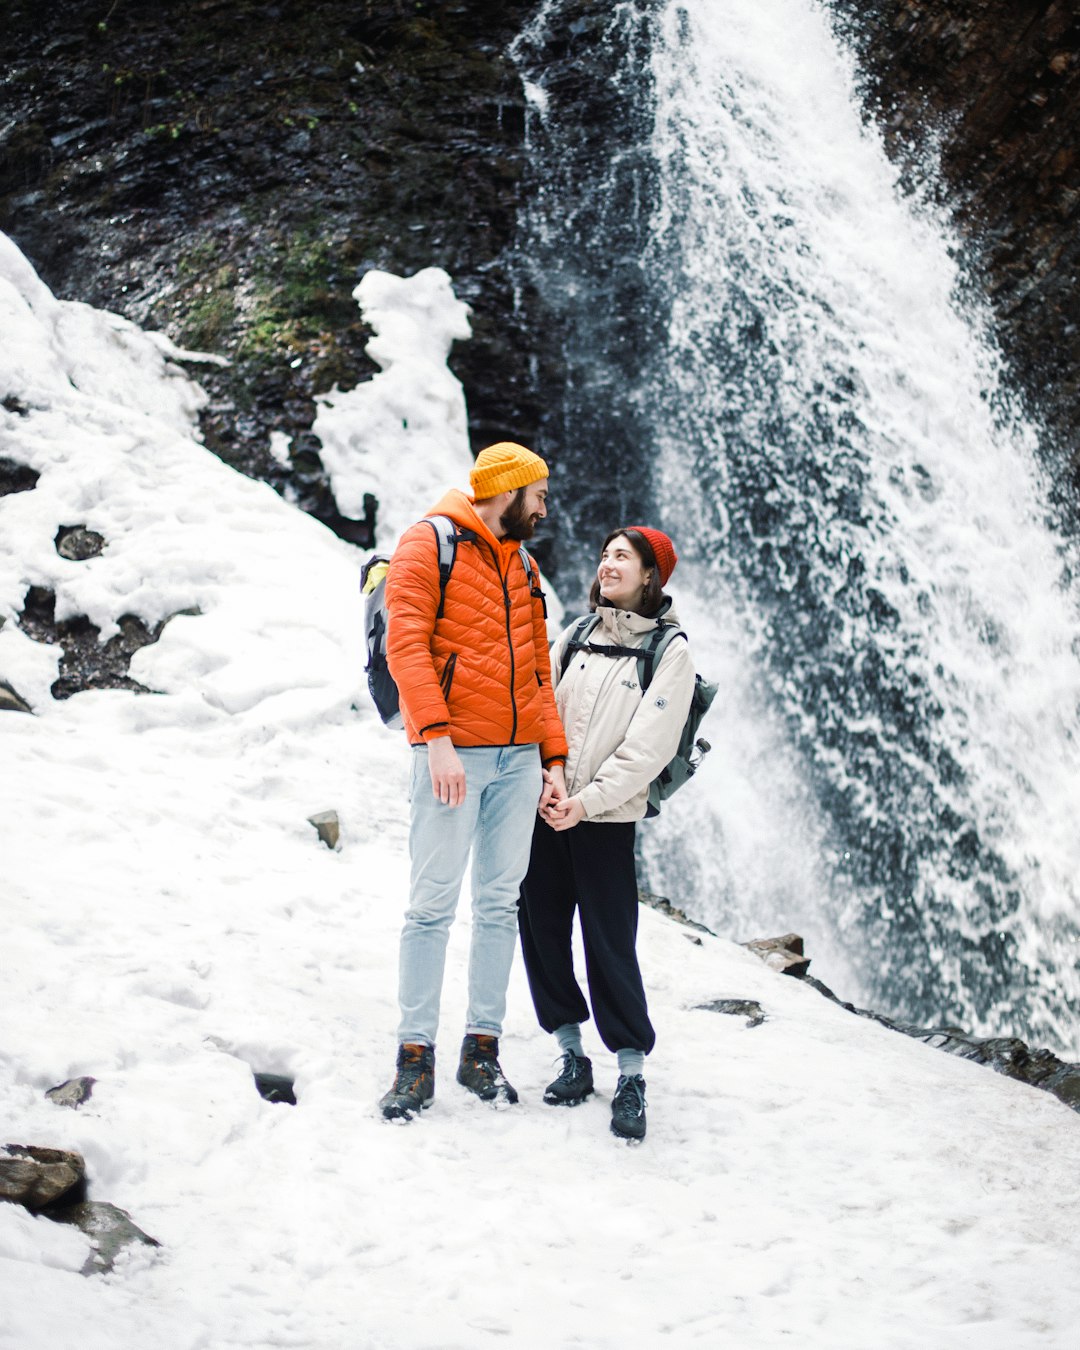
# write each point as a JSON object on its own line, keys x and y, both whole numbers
{"x": 618, "y": 739}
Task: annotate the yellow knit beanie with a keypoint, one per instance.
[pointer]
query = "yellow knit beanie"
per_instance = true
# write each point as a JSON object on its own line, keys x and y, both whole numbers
{"x": 504, "y": 466}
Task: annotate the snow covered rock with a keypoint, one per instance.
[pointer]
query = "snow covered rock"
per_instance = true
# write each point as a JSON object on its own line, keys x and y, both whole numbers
{"x": 110, "y": 1230}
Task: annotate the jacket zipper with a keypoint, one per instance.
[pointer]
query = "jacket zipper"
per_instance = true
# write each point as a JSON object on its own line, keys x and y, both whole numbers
{"x": 510, "y": 645}
{"x": 611, "y": 673}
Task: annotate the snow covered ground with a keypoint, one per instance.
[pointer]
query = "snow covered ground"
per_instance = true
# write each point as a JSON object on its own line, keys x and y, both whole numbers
{"x": 170, "y": 924}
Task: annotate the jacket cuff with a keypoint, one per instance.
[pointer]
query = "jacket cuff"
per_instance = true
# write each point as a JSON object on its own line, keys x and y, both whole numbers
{"x": 435, "y": 730}
{"x": 555, "y": 759}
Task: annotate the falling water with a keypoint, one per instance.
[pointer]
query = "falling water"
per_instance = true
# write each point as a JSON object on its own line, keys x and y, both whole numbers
{"x": 772, "y": 337}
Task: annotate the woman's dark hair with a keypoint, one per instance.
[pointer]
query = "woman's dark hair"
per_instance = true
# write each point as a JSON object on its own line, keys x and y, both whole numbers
{"x": 653, "y": 596}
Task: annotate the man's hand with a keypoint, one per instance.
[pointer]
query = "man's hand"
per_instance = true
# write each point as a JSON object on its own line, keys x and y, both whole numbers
{"x": 566, "y": 814}
{"x": 554, "y": 787}
{"x": 447, "y": 772}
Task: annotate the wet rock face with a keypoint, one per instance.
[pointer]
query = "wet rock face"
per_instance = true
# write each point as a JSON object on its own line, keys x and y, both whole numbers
{"x": 226, "y": 171}
{"x": 997, "y": 86}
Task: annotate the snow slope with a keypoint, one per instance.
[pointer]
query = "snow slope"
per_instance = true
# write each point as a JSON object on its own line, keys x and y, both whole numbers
{"x": 171, "y": 924}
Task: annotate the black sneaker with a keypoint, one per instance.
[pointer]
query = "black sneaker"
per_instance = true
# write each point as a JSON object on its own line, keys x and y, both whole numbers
{"x": 628, "y": 1108}
{"x": 479, "y": 1070}
{"x": 574, "y": 1082}
{"x": 414, "y": 1083}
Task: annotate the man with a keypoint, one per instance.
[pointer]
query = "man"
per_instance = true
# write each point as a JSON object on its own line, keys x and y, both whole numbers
{"x": 474, "y": 682}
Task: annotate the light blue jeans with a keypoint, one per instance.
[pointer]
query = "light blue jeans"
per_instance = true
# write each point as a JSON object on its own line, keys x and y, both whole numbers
{"x": 495, "y": 821}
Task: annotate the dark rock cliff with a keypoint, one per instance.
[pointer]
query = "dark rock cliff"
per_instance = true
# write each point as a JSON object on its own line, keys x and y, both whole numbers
{"x": 225, "y": 171}
{"x": 991, "y": 92}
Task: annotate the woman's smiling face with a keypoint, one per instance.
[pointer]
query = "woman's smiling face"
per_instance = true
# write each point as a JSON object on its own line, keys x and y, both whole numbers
{"x": 621, "y": 574}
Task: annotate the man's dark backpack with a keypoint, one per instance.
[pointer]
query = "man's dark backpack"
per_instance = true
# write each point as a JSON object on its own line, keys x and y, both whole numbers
{"x": 384, "y": 691}
{"x": 691, "y": 749}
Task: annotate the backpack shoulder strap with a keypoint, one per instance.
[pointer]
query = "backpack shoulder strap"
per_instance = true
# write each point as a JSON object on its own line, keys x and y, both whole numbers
{"x": 653, "y": 650}
{"x": 577, "y": 639}
{"x": 447, "y": 534}
{"x": 532, "y": 576}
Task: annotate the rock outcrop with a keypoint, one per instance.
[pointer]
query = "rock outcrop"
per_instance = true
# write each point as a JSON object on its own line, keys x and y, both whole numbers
{"x": 86, "y": 663}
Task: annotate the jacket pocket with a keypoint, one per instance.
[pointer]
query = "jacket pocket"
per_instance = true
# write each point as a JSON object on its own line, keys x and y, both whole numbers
{"x": 446, "y": 679}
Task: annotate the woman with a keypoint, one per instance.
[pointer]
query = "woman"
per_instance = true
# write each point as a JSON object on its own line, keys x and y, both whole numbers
{"x": 583, "y": 845}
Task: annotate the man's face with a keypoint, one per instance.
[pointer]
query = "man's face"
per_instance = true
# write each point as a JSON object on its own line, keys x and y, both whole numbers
{"x": 527, "y": 506}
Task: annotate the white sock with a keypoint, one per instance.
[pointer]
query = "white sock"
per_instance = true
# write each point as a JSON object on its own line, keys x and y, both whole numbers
{"x": 569, "y": 1038}
{"x": 631, "y": 1062}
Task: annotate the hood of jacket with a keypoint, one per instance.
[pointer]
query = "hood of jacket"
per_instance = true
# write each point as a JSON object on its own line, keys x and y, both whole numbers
{"x": 462, "y": 510}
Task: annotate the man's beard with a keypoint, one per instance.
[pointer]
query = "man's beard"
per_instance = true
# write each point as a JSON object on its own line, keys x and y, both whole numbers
{"x": 516, "y": 522}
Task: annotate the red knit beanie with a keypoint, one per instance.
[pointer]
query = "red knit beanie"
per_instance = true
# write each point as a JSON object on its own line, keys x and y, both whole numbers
{"x": 663, "y": 550}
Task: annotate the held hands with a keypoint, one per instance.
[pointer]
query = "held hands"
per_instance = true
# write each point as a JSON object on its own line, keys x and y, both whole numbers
{"x": 556, "y": 808}
{"x": 554, "y": 787}
{"x": 565, "y": 814}
{"x": 447, "y": 771}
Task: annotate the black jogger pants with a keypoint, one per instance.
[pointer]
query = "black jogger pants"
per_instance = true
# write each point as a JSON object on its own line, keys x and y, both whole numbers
{"x": 590, "y": 868}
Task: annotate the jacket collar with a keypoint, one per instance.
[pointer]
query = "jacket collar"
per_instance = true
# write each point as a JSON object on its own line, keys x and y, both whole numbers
{"x": 461, "y": 510}
{"x": 621, "y": 624}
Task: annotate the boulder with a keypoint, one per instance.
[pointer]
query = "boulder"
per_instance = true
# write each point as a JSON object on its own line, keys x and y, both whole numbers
{"x": 109, "y": 1229}
{"x": 36, "y": 1177}
{"x": 327, "y": 827}
{"x": 72, "y": 1093}
{"x": 784, "y": 954}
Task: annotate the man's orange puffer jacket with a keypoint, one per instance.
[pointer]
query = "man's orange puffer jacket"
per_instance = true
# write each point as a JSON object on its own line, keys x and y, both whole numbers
{"x": 481, "y": 672}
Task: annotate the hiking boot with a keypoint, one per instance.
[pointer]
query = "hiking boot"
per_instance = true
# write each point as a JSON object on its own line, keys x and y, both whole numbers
{"x": 574, "y": 1082}
{"x": 479, "y": 1070}
{"x": 628, "y": 1108}
{"x": 414, "y": 1083}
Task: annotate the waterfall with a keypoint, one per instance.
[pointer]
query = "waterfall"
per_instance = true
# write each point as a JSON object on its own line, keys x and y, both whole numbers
{"x": 768, "y": 352}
